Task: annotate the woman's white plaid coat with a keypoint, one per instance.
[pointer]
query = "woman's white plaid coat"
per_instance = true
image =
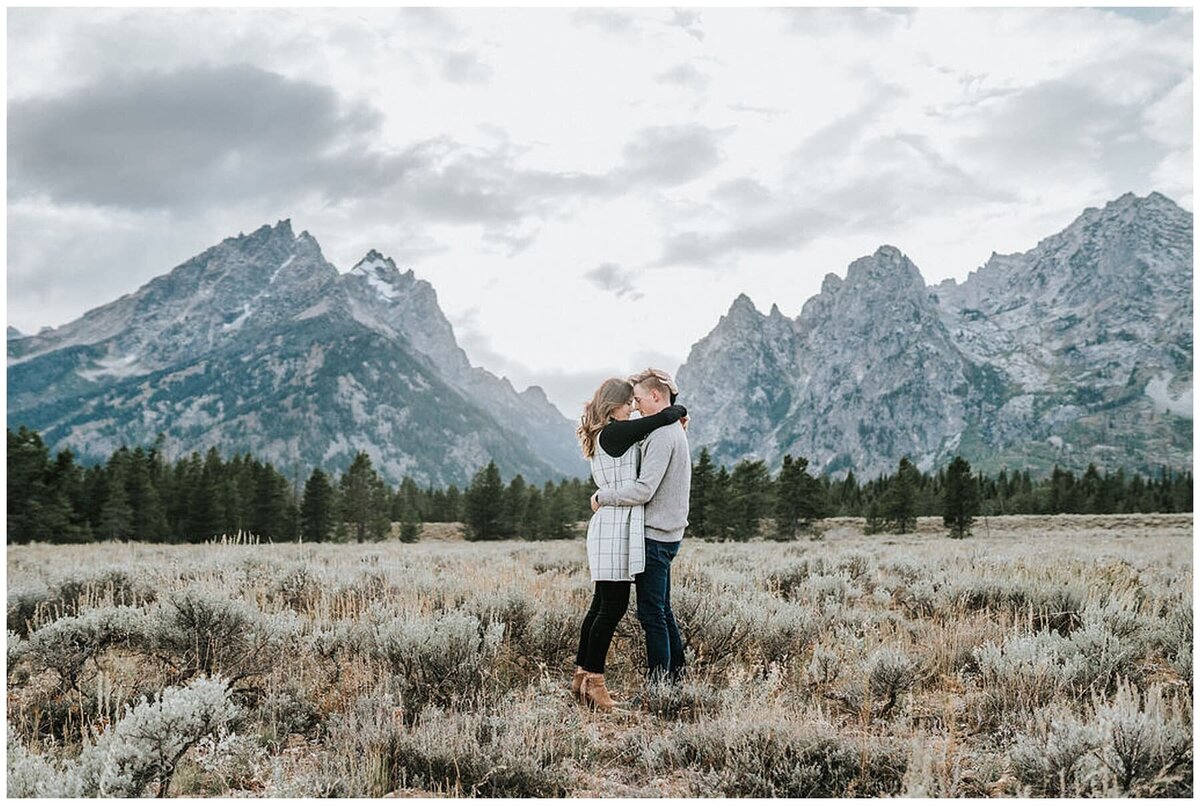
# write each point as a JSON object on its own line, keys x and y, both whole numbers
{"x": 616, "y": 536}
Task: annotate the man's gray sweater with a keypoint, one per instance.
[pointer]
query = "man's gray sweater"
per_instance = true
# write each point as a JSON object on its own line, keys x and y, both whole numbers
{"x": 664, "y": 484}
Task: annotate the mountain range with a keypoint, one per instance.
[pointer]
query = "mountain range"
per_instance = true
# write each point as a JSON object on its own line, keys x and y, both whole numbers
{"x": 1076, "y": 351}
{"x": 259, "y": 344}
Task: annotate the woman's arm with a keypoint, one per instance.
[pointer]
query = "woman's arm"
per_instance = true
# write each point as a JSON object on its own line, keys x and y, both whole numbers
{"x": 620, "y": 435}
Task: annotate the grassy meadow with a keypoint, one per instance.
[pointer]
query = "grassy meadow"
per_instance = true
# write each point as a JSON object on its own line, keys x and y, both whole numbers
{"x": 1044, "y": 656}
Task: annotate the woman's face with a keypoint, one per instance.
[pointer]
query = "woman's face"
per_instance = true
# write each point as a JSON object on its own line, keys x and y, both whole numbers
{"x": 622, "y": 411}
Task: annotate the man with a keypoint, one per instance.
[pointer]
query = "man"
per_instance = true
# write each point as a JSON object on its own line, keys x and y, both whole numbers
{"x": 664, "y": 486}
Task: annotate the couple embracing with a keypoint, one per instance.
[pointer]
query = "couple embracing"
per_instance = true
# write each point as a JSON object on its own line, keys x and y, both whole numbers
{"x": 644, "y": 473}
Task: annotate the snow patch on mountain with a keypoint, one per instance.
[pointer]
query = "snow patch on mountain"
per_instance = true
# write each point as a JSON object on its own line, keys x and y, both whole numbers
{"x": 284, "y": 265}
{"x": 1179, "y": 403}
{"x": 375, "y": 269}
{"x": 115, "y": 366}
{"x": 240, "y": 320}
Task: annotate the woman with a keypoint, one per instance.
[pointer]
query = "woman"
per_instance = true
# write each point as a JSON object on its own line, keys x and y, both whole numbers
{"x": 616, "y": 534}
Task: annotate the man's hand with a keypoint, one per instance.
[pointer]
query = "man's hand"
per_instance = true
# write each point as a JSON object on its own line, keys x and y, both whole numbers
{"x": 595, "y": 502}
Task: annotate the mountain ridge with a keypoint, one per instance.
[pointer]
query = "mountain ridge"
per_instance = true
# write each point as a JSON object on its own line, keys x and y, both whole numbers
{"x": 107, "y": 377}
{"x": 1024, "y": 364}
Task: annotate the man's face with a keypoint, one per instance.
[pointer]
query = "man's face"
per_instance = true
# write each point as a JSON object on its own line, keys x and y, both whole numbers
{"x": 648, "y": 402}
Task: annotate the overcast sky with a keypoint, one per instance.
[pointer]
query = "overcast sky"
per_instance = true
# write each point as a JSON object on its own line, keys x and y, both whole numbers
{"x": 589, "y": 190}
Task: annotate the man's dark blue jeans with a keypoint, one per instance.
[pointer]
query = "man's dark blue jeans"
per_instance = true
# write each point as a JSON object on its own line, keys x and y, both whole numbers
{"x": 664, "y": 647}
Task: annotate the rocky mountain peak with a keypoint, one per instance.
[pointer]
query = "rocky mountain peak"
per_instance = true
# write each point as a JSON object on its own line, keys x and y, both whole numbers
{"x": 886, "y": 269}
{"x": 742, "y": 307}
{"x": 382, "y": 276}
{"x": 280, "y": 235}
{"x": 13, "y": 332}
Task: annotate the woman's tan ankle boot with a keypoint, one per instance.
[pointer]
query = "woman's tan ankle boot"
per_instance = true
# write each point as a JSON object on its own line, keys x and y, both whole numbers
{"x": 577, "y": 683}
{"x": 596, "y": 693}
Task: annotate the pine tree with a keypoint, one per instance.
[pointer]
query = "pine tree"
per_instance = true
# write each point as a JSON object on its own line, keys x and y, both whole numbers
{"x": 534, "y": 516}
{"x": 454, "y": 505}
{"x": 873, "y": 522}
{"x": 116, "y": 515}
{"x": 702, "y": 480}
{"x": 799, "y": 499}
{"x": 483, "y": 504}
{"x": 787, "y": 499}
{"x": 559, "y": 512}
{"x": 437, "y": 506}
{"x": 899, "y": 504}
{"x": 512, "y": 518}
{"x": 364, "y": 500}
{"x": 271, "y": 501}
{"x": 719, "y": 512}
{"x": 750, "y": 491}
{"x": 317, "y": 510}
{"x": 37, "y": 510}
{"x": 849, "y": 496}
{"x": 413, "y": 498}
{"x": 961, "y": 498}
{"x": 1089, "y": 490}
{"x": 410, "y": 521}
{"x": 206, "y": 510}
{"x": 67, "y": 479}
{"x": 149, "y": 515}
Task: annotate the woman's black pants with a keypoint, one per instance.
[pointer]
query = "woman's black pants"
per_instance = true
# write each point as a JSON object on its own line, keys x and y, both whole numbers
{"x": 609, "y": 602}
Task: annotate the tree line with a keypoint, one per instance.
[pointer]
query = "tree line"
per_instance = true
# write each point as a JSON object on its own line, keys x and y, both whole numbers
{"x": 746, "y": 501}
{"x": 138, "y": 495}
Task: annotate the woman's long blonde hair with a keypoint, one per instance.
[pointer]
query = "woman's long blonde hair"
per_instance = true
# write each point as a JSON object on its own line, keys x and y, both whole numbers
{"x": 612, "y": 394}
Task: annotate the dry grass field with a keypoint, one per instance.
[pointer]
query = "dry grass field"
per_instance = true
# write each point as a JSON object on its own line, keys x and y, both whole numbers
{"x": 1044, "y": 656}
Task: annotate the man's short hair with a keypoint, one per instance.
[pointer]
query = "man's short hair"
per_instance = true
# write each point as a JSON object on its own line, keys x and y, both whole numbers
{"x": 656, "y": 380}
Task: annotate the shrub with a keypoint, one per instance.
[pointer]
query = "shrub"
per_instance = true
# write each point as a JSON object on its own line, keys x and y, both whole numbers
{"x": 752, "y": 625}
{"x": 1047, "y": 604}
{"x": 201, "y": 630}
{"x": 552, "y": 636}
{"x": 141, "y": 750}
{"x": 1055, "y": 758}
{"x": 781, "y": 631}
{"x": 16, "y": 649}
{"x": 31, "y": 775}
{"x": 1028, "y": 671}
{"x": 38, "y": 604}
{"x": 438, "y": 660}
{"x": 883, "y": 676}
{"x": 24, "y": 605}
{"x": 298, "y": 589}
{"x": 289, "y": 710}
{"x": 68, "y": 643}
{"x": 689, "y": 700}
{"x": 789, "y": 577}
{"x": 112, "y": 585}
{"x": 890, "y": 673}
{"x": 775, "y": 757}
{"x": 1146, "y": 745}
{"x": 823, "y": 666}
{"x": 1173, "y": 637}
{"x": 144, "y": 747}
{"x": 235, "y": 761}
{"x": 522, "y": 749}
{"x": 513, "y": 608}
